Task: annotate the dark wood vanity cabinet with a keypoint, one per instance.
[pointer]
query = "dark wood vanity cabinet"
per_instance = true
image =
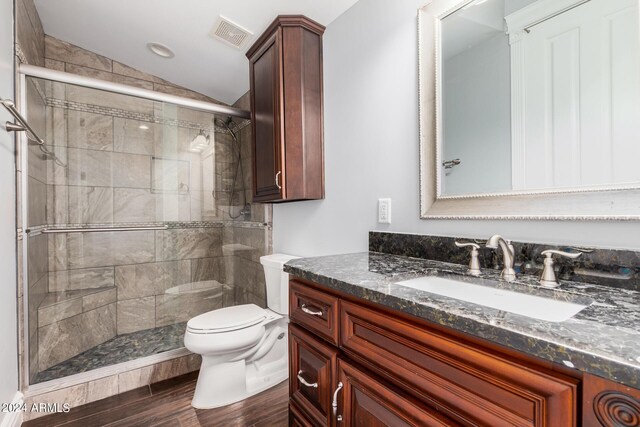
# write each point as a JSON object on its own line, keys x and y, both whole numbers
{"x": 313, "y": 364}
{"x": 385, "y": 368}
{"x": 369, "y": 401}
{"x": 286, "y": 111}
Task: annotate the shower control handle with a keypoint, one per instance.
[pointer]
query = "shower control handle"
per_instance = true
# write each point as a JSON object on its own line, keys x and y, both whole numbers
{"x": 278, "y": 180}
{"x": 309, "y": 311}
{"x": 304, "y": 382}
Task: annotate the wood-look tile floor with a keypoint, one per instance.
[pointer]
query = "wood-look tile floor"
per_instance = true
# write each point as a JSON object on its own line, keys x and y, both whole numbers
{"x": 168, "y": 404}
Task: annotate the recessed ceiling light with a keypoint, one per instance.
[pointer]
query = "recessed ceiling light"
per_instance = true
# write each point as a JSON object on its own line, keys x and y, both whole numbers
{"x": 160, "y": 50}
{"x": 143, "y": 127}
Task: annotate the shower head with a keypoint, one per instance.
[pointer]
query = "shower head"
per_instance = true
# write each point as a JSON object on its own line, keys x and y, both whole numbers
{"x": 226, "y": 124}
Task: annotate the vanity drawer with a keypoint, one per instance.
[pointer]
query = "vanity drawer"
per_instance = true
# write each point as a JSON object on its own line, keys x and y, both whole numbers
{"x": 315, "y": 310}
{"x": 312, "y": 372}
{"x": 468, "y": 384}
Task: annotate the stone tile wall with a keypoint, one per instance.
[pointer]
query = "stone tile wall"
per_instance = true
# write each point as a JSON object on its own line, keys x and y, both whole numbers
{"x": 119, "y": 173}
{"x": 63, "y": 56}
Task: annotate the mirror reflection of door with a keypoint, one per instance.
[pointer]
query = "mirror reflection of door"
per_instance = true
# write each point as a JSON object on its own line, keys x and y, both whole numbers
{"x": 540, "y": 95}
{"x": 580, "y": 98}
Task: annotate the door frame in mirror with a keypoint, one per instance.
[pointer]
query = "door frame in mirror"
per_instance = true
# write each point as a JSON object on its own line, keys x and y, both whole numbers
{"x": 612, "y": 204}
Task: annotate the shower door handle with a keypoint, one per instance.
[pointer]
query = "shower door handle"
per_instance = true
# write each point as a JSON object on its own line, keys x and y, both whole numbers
{"x": 304, "y": 382}
{"x": 278, "y": 180}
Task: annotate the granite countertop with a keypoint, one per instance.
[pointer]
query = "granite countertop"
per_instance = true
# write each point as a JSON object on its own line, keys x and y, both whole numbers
{"x": 602, "y": 339}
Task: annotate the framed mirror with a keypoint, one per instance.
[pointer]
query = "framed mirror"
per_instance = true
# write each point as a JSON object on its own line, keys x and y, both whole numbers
{"x": 530, "y": 109}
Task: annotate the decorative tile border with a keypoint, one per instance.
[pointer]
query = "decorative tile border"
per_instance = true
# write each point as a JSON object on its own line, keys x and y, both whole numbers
{"x": 248, "y": 224}
{"x": 149, "y": 118}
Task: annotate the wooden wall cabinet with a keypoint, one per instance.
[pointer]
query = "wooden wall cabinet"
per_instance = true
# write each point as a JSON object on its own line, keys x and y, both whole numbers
{"x": 384, "y": 368}
{"x": 286, "y": 111}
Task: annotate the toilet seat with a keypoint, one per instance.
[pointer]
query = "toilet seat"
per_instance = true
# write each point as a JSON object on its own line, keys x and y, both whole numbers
{"x": 229, "y": 319}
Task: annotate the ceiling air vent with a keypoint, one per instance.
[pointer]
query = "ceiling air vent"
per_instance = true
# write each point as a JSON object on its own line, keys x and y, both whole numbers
{"x": 230, "y": 33}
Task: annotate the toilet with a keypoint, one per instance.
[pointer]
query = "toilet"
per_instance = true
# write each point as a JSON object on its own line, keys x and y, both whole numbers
{"x": 244, "y": 348}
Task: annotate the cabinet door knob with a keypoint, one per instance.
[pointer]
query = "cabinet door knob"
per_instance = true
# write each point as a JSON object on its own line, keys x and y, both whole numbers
{"x": 309, "y": 311}
{"x": 278, "y": 180}
{"x": 304, "y": 382}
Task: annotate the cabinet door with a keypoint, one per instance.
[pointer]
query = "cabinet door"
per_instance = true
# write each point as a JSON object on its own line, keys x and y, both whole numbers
{"x": 470, "y": 384}
{"x": 266, "y": 78}
{"x": 312, "y": 372}
{"x": 608, "y": 404}
{"x": 365, "y": 401}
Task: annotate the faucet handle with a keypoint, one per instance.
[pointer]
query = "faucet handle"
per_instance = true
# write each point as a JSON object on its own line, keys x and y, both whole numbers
{"x": 550, "y": 252}
{"x": 474, "y": 263}
{"x": 463, "y": 245}
{"x": 548, "y": 277}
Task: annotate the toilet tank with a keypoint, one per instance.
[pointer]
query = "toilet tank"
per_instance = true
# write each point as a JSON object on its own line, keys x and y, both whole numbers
{"x": 277, "y": 281}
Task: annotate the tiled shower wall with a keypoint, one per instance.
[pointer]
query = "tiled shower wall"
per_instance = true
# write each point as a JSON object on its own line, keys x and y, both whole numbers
{"x": 117, "y": 175}
{"x": 201, "y": 244}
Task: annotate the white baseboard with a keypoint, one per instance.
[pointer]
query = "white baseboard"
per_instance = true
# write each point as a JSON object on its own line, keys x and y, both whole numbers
{"x": 14, "y": 419}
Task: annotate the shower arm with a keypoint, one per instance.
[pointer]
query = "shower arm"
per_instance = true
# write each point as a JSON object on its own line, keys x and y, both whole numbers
{"x": 23, "y": 126}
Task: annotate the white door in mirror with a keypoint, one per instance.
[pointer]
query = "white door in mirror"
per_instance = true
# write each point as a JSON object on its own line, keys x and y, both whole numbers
{"x": 384, "y": 211}
{"x": 579, "y": 100}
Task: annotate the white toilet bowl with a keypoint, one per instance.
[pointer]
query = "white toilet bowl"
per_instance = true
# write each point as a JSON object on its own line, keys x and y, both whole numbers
{"x": 244, "y": 348}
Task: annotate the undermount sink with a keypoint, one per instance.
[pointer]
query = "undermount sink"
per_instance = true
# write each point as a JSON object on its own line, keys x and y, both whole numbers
{"x": 533, "y": 306}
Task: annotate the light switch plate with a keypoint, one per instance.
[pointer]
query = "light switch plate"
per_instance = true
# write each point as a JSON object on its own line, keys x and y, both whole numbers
{"x": 384, "y": 211}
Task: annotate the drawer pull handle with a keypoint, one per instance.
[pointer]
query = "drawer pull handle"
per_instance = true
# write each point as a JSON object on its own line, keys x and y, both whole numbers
{"x": 334, "y": 404}
{"x": 278, "y": 180}
{"x": 304, "y": 382}
{"x": 309, "y": 311}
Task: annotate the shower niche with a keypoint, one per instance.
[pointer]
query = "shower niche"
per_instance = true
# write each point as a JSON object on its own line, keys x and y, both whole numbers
{"x": 140, "y": 225}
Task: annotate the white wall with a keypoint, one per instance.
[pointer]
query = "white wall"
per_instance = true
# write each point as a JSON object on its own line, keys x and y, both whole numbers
{"x": 511, "y": 6}
{"x": 476, "y": 91}
{"x": 8, "y": 297}
{"x": 371, "y": 148}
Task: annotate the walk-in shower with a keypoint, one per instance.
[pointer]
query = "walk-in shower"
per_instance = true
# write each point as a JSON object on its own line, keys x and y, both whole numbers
{"x": 129, "y": 229}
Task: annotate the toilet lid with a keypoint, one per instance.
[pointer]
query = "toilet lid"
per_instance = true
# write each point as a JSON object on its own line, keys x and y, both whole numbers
{"x": 228, "y": 319}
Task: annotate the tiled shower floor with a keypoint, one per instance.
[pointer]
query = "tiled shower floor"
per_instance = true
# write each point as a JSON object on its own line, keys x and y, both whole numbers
{"x": 121, "y": 348}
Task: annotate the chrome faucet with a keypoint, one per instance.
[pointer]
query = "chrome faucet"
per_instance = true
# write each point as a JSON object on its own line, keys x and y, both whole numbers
{"x": 508, "y": 255}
